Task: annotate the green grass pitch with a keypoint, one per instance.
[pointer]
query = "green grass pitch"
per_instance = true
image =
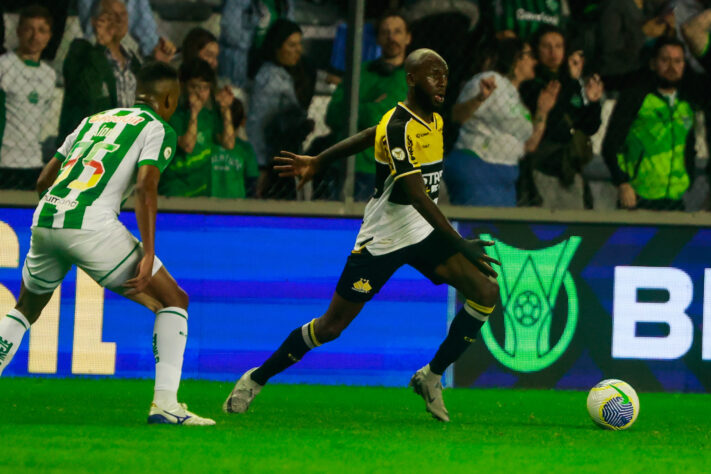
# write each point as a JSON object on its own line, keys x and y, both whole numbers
{"x": 98, "y": 425}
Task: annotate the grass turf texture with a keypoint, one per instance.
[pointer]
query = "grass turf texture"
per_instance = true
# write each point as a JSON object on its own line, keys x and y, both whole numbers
{"x": 98, "y": 425}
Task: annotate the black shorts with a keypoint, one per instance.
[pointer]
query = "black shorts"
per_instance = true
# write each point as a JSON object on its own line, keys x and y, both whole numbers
{"x": 365, "y": 274}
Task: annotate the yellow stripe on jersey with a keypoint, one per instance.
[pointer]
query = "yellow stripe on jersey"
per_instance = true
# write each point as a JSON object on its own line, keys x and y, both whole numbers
{"x": 406, "y": 174}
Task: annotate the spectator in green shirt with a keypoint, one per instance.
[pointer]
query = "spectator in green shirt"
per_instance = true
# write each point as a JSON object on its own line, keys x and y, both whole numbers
{"x": 382, "y": 86}
{"x": 235, "y": 171}
{"x": 200, "y": 121}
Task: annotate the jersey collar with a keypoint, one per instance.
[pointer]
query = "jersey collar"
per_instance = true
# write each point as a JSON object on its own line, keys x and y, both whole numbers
{"x": 416, "y": 117}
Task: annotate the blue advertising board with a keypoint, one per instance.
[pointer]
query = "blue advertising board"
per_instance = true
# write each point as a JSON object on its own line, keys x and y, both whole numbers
{"x": 579, "y": 303}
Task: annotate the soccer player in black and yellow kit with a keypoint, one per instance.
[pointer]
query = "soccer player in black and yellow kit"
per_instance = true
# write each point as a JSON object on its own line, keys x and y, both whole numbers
{"x": 402, "y": 225}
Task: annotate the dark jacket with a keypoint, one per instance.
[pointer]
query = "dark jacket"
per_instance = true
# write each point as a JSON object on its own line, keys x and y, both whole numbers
{"x": 569, "y": 113}
{"x": 89, "y": 84}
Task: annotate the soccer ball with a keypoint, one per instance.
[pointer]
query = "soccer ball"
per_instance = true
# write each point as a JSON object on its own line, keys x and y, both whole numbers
{"x": 613, "y": 404}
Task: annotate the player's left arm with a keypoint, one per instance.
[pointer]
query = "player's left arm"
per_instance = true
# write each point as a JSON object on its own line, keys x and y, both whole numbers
{"x": 414, "y": 188}
{"x": 158, "y": 150}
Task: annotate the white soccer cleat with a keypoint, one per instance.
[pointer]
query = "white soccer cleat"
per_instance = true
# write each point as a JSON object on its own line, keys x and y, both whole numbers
{"x": 242, "y": 395}
{"x": 429, "y": 387}
{"x": 177, "y": 414}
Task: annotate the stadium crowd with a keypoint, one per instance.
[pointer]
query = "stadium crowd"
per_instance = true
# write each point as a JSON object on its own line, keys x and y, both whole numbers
{"x": 540, "y": 93}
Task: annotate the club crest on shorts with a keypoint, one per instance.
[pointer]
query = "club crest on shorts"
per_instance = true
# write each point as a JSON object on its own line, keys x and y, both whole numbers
{"x": 362, "y": 286}
{"x": 398, "y": 154}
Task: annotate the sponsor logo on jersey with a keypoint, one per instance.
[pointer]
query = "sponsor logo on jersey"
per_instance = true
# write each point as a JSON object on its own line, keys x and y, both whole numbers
{"x": 523, "y": 15}
{"x": 60, "y": 203}
{"x": 127, "y": 119}
{"x": 398, "y": 154}
{"x": 362, "y": 286}
{"x": 420, "y": 135}
{"x": 33, "y": 97}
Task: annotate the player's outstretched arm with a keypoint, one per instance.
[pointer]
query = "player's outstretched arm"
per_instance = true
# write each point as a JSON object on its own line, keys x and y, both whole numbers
{"x": 146, "y": 210}
{"x": 305, "y": 167}
{"x": 473, "y": 250}
{"x": 48, "y": 175}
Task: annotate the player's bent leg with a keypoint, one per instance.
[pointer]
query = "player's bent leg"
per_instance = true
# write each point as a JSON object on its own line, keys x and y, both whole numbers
{"x": 17, "y": 322}
{"x": 169, "y": 302}
{"x": 482, "y": 294}
{"x": 318, "y": 331}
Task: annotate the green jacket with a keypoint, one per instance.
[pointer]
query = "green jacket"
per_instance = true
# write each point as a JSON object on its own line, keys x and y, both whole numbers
{"x": 89, "y": 84}
{"x": 377, "y": 79}
{"x": 650, "y": 143}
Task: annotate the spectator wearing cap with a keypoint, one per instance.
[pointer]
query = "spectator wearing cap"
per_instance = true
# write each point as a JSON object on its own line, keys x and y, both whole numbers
{"x": 26, "y": 89}
{"x": 199, "y": 122}
{"x": 382, "y": 85}
{"x": 100, "y": 75}
{"x": 278, "y": 105}
{"x": 649, "y": 144}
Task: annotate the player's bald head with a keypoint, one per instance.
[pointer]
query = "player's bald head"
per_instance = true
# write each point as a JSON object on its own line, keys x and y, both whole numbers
{"x": 422, "y": 57}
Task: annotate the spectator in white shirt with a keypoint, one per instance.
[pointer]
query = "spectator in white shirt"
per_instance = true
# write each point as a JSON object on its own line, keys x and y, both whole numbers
{"x": 26, "y": 89}
{"x": 496, "y": 129}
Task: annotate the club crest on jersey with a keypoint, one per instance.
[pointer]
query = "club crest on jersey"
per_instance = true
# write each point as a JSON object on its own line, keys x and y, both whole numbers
{"x": 398, "y": 154}
{"x": 167, "y": 152}
{"x": 362, "y": 286}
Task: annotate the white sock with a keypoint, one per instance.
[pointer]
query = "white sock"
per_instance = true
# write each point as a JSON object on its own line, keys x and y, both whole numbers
{"x": 12, "y": 328}
{"x": 169, "y": 337}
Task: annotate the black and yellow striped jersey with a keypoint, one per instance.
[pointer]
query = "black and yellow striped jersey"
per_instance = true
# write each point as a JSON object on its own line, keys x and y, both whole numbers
{"x": 404, "y": 144}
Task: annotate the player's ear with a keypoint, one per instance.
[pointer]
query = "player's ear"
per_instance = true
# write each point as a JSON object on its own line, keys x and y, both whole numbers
{"x": 410, "y": 79}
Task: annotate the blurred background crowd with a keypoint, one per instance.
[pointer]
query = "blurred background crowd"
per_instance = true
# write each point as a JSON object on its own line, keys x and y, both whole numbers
{"x": 562, "y": 104}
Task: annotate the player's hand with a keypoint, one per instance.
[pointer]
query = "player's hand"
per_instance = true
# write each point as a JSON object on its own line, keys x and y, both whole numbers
{"x": 486, "y": 87}
{"x": 144, "y": 272}
{"x": 473, "y": 250}
{"x": 628, "y": 198}
{"x": 164, "y": 50}
{"x": 292, "y": 165}
{"x": 594, "y": 88}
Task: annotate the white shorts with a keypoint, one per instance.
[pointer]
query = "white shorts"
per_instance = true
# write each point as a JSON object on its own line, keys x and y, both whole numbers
{"x": 109, "y": 256}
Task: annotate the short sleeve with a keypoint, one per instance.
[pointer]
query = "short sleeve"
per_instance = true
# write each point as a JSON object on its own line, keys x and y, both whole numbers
{"x": 68, "y": 143}
{"x": 400, "y": 144}
{"x": 158, "y": 146}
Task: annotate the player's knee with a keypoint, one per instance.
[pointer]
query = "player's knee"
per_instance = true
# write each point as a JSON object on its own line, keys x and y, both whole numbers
{"x": 484, "y": 292}
{"x": 490, "y": 292}
{"x": 178, "y": 298}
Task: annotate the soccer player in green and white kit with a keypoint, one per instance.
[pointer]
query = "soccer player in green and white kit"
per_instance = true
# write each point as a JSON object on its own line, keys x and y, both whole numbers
{"x": 76, "y": 223}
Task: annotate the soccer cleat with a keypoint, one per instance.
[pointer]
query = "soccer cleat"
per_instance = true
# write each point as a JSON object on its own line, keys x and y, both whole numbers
{"x": 242, "y": 395}
{"x": 430, "y": 389}
{"x": 177, "y": 414}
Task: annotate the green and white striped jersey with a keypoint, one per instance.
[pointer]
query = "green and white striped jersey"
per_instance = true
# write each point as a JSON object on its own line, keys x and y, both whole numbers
{"x": 100, "y": 160}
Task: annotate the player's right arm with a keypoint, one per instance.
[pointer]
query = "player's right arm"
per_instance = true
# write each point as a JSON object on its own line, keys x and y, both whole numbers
{"x": 305, "y": 167}
{"x": 414, "y": 187}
